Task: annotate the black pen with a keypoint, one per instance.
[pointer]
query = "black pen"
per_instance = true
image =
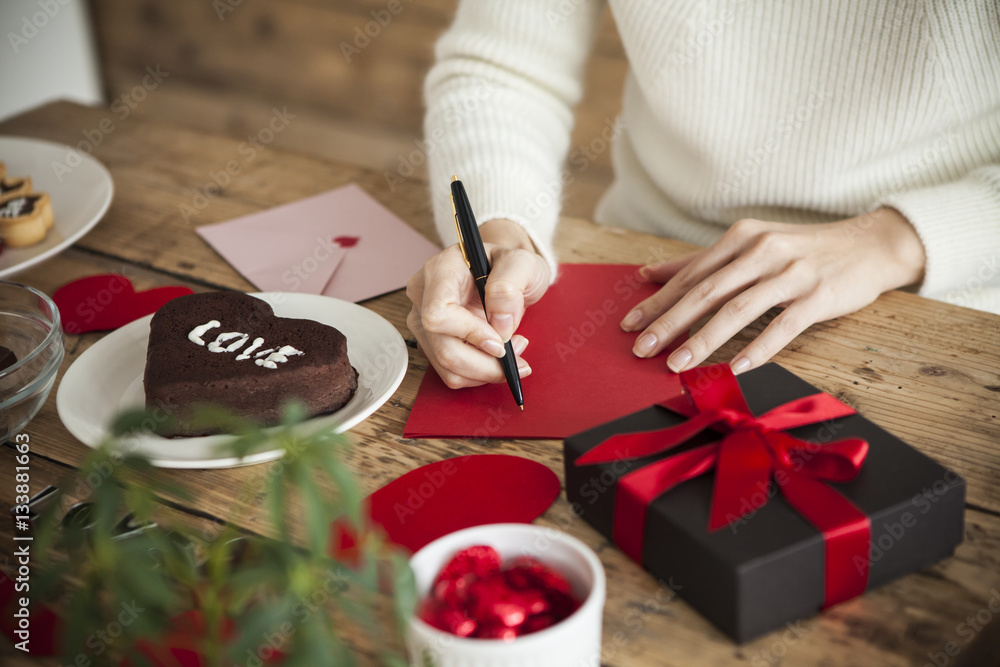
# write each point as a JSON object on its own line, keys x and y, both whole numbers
{"x": 471, "y": 244}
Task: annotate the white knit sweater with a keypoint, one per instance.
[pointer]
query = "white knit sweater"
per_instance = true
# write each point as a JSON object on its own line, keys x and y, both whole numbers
{"x": 793, "y": 111}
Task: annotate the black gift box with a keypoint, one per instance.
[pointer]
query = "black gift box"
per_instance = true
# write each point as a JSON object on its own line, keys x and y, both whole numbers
{"x": 768, "y": 568}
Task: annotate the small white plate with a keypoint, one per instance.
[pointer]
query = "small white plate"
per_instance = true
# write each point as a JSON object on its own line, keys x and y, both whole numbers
{"x": 80, "y": 195}
{"x": 108, "y": 378}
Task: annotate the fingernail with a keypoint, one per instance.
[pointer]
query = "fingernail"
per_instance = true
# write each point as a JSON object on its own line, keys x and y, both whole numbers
{"x": 520, "y": 346}
{"x": 644, "y": 345}
{"x": 491, "y": 346}
{"x": 504, "y": 325}
{"x": 644, "y": 273}
{"x": 679, "y": 360}
{"x": 523, "y": 369}
{"x": 631, "y": 319}
{"x": 740, "y": 365}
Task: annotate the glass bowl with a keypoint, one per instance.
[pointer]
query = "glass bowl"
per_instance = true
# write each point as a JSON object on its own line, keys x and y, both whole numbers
{"x": 30, "y": 328}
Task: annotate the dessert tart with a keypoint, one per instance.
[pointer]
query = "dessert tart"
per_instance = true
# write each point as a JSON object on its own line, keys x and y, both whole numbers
{"x": 15, "y": 186}
{"x": 24, "y": 218}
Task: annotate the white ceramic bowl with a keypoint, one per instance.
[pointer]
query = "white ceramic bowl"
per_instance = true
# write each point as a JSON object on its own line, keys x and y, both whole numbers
{"x": 575, "y": 642}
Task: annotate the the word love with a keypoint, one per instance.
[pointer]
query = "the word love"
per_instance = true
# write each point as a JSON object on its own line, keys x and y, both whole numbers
{"x": 269, "y": 358}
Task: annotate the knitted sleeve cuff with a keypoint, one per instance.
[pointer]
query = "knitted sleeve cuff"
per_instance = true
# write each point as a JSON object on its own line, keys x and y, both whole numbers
{"x": 959, "y": 225}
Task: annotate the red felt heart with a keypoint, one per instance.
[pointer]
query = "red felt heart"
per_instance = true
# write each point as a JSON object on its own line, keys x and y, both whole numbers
{"x": 108, "y": 301}
{"x": 347, "y": 241}
{"x": 445, "y": 496}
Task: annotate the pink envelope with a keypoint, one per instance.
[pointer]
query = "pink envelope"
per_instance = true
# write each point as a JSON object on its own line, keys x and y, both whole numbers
{"x": 341, "y": 243}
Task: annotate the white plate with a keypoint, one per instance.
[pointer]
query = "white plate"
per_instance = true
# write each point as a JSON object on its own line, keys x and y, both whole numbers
{"x": 108, "y": 377}
{"x": 79, "y": 200}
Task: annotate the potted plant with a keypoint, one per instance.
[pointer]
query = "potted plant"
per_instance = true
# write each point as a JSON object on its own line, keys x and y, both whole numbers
{"x": 135, "y": 582}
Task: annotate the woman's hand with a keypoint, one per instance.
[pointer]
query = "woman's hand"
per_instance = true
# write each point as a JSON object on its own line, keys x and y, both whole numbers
{"x": 447, "y": 316}
{"x": 815, "y": 272}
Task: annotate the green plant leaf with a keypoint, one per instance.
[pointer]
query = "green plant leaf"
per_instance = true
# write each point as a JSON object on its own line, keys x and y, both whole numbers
{"x": 138, "y": 579}
{"x": 176, "y": 553}
{"x": 391, "y": 660}
{"x": 350, "y": 495}
{"x": 140, "y": 420}
{"x": 259, "y": 594}
{"x": 45, "y": 528}
{"x": 293, "y": 413}
{"x": 48, "y": 579}
{"x": 244, "y": 587}
{"x": 318, "y": 519}
{"x": 404, "y": 591}
{"x": 256, "y": 624}
{"x": 251, "y": 442}
{"x": 84, "y": 608}
{"x": 276, "y": 505}
{"x": 320, "y": 646}
{"x": 206, "y": 416}
{"x": 108, "y": 501}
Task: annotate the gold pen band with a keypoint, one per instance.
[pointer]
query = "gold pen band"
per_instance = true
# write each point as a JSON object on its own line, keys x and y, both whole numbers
{"x": 458, "y": 229}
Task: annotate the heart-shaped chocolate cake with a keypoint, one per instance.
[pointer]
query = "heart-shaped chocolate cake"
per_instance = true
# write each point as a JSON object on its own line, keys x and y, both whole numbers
{"x": 230, "y": 349}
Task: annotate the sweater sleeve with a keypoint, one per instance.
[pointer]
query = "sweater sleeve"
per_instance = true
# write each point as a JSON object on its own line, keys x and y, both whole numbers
{"x": 959, "y": 225}
{"x": 499, "y": 110}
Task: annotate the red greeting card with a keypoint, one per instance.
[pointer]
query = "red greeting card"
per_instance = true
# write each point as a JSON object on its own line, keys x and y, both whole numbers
{"x": 583, "y": 369}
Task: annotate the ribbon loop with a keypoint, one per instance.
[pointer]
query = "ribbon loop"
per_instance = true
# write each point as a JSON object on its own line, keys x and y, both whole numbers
{"x": 752, "y": 450}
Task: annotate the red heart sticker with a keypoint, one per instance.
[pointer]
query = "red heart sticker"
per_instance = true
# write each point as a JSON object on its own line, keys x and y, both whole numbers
{"x": 445, "y": 496}
{"x": 108, "y": 301}
{"x": 347, "y": 241}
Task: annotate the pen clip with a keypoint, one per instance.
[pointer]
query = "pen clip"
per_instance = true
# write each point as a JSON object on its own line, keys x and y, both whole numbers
{"x": 458, "y": 229}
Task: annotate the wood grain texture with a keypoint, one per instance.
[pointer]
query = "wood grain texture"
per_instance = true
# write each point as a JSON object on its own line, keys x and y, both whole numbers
{"x": 926, "y": 371}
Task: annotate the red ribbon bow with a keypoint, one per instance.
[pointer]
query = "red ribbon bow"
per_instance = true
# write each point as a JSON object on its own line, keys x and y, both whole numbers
{"x": 752, "y": 451}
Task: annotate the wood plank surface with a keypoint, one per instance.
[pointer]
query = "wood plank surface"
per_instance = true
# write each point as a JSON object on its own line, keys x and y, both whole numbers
{"x": 926, "y": 371}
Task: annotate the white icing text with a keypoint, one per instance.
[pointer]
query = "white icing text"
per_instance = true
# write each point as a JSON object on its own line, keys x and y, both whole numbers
{"x": 269, "y": 358}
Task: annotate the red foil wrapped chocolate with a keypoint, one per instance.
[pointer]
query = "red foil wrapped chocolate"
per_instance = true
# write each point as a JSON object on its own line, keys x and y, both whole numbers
{"x": 474, "y": 596}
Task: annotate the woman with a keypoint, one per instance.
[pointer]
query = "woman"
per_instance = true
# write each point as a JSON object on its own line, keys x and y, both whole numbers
{"x": 824, "y": 154}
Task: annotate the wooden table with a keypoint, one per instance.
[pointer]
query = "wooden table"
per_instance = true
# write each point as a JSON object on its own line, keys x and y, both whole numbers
{"x": 926, "y": 371}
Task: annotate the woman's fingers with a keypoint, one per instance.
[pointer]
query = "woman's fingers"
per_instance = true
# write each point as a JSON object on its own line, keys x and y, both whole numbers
{"x": 461, "y": 365}
{"x": 638, "y": 317}
{"x": 664, "y": 271}
{"x": 682, "y": 279}
{"x": 450, "y": 324}
{"x": 517, "y": 278}
{"x": 684, "y": 273}
{"x": 736, "y": 314}
{"x": 646, "y": 312}
{"x": 442, "y": 310}
{"x": 792, "y": 321}
{"x": 708, "y": 295}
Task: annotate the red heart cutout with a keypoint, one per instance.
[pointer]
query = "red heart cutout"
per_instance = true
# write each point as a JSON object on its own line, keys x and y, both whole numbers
{"x": 347, "y": 241}
{"x": 445, "y": 496}
{"x": 108, "y": 301}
